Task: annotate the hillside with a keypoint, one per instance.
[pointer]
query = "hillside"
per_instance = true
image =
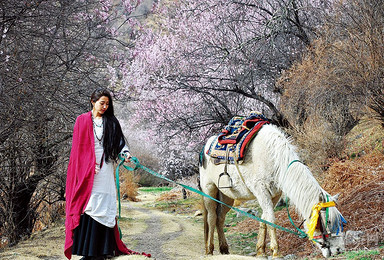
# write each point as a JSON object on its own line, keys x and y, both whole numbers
{"x": 359, "y": 179}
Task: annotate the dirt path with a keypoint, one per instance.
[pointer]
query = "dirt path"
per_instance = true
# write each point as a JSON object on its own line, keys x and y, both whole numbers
{"x": 166, "y": 236}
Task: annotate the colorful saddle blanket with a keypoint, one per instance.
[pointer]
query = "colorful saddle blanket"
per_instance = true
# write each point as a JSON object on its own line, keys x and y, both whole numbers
{"x": 233, "y": 140}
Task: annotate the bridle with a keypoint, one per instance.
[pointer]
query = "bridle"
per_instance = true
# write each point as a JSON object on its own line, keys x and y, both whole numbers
{"x": 319, "y": 218}
{"x": 324, "y": 229}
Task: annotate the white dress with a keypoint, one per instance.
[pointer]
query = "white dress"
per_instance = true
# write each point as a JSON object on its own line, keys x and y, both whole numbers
{"x": 102, "y": 205}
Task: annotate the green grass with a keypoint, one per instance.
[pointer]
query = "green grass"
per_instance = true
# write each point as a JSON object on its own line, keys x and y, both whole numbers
{"x": 155, "y": 189}
{"x": 231, "y": 218}
{"x": 242, "y": 244}
{"x": 185, "y": 206}
{"x": 362, "y": 255}
{"x": 239, "y": 243}
{"x": 126, "y": 219}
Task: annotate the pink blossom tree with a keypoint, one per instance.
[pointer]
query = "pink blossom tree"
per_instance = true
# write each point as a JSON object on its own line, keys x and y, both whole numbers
{"x": 196, "y": 64}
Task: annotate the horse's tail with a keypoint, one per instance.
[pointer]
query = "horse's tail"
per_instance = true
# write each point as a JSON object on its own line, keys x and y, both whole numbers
{"x": 202, "y": 158}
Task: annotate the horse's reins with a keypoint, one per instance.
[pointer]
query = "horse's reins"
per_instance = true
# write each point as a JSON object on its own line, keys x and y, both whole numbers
{"x": 137, "y": 164}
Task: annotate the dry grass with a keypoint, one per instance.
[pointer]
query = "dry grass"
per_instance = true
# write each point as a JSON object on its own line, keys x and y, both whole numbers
{"x": 176, "y": 194}
{"x": 129, "y": 186}
{"x": 361, "y": 184}
{"x": 172, "y": 201}
{"x": 172, "y": 195}
{"x": 44, "y": 244}
{"x": 360, "y": 181}
{"x": 317, "y": 143}
{"x": 50, "y": 213}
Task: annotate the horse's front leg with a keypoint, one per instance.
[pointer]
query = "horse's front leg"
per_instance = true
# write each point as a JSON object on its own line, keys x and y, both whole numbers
{"x": 221, "y": 213}
{"x": 260, "y": 246}
{"x": 264, "y": 198}
{"x": 274, "y": 244}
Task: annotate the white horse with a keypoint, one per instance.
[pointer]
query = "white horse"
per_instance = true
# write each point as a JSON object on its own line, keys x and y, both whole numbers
{"x": 270, "y": 168}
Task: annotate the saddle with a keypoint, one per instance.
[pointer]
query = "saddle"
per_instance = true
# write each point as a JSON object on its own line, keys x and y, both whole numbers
{"x": 231, "y": 143}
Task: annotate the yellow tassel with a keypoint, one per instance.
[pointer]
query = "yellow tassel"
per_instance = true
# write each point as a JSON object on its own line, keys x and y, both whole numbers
{"x": 315, "y": 216}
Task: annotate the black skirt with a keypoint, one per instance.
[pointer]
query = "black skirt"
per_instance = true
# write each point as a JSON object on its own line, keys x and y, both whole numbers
{"x": 93, "y": 239}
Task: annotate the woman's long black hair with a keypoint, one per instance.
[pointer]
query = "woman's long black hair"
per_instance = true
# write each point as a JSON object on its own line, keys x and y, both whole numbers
{"x": 114, "y": 139}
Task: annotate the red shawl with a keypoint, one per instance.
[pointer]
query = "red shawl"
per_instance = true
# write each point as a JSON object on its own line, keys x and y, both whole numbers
{"x": 81, "y": 170}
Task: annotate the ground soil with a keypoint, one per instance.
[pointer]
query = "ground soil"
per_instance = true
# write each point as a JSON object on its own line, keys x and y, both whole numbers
{"x": 164, "y": 235}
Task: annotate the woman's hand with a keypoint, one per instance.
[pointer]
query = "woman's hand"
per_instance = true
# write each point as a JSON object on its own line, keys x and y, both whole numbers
{"x": 127, "y": 157}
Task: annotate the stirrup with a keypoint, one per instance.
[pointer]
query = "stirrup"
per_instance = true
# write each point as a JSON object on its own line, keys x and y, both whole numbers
{"x": 225, "y": 173}
{"x": 228, "y": 181}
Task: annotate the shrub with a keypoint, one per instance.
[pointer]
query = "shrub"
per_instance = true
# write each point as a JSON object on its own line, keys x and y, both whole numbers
{"x": 129, "y": 185}
{"x": 339, "y": 80}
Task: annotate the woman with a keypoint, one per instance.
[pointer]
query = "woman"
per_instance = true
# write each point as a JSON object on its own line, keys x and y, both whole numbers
{"x": 91, "y": 229}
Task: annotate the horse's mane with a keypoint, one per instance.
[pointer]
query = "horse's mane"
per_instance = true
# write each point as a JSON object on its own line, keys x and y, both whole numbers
{"x": 296, "y": 181}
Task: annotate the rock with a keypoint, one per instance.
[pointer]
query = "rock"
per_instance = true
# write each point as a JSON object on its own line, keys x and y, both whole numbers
{"x": 353, "y": 236}
{"x": 198, "y": 213}
{"x": 248, "y": 210}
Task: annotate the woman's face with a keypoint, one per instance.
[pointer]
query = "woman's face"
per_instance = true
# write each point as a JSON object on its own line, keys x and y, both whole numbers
{"x": 100, "y": 106}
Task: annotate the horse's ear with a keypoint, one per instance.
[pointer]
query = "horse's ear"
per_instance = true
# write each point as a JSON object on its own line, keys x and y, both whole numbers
{"x": 321, "y": 197}
{"x": 335, "y": 198}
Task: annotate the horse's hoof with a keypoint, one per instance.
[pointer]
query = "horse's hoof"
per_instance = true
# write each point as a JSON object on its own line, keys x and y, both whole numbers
{"x": 224, "y": 251}
{"x": 277, "y": 256}
{"x": 261, "y": 257}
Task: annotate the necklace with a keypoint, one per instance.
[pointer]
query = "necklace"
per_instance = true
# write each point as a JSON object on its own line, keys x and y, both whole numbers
{"x": 100, "y": 125}
{"x": 94, "y": 130}
{"x": 99, "y": 139}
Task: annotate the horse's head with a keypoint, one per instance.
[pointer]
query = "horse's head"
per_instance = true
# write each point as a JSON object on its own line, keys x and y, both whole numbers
{"x": 328, "y": 232}
{"x": 332, "y": 245}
